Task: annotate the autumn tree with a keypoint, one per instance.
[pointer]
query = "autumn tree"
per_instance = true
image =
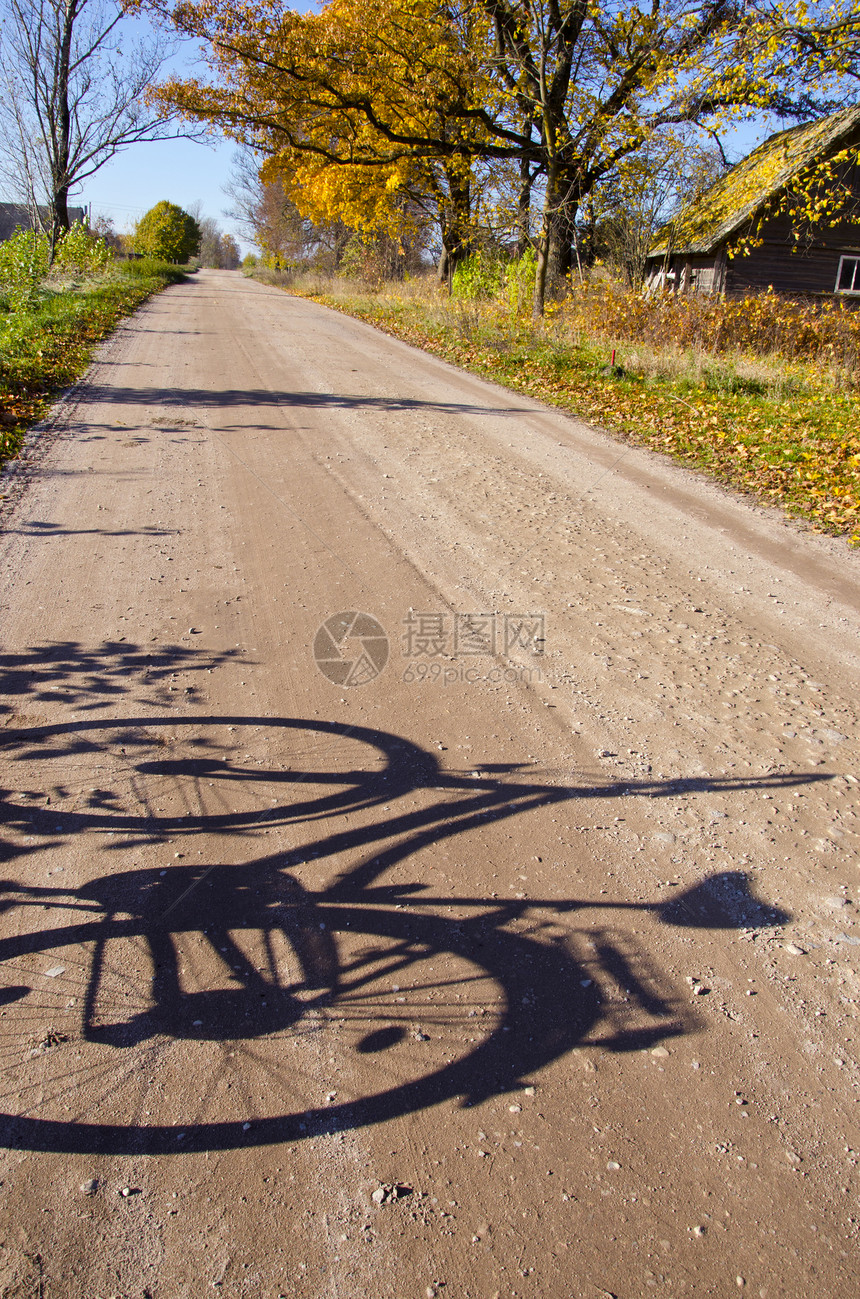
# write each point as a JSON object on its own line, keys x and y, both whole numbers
{"x": 231, "y": 254}
{"x": 371, "y": 99}
{"x": 269, "y": 218}
{"x": 217, "y": 249}
{"x": 368, "y": 113}
{"x": 817, "y": 45}
{"x": 168, "y": 232}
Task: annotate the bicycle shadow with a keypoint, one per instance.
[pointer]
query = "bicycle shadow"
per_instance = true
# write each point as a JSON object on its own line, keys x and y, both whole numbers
{"x": 547, "y": 984}
{"x": 555, "y": 990}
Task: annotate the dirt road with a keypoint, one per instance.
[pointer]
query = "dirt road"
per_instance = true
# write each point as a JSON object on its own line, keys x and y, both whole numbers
{"x": 430, "y": 852}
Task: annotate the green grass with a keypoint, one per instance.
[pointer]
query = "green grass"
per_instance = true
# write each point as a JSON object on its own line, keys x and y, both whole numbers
{"x": 44, "y": 350}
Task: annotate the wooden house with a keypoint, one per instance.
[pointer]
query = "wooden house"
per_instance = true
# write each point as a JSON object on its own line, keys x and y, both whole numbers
{"x": 18, "y": 216}
{"x": 741, "y": 236}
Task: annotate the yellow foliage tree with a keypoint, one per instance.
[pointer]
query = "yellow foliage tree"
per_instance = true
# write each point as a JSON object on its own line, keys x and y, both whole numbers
{"x": 362, "y": 111}
{"x": 371, "y": 106}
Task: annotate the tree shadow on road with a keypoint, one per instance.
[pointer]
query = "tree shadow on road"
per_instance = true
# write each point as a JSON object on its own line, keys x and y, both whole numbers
{"x": 93, "y": 677}
{"x": 226, "y": 398}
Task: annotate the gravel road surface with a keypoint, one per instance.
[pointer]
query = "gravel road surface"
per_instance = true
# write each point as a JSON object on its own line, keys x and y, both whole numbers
{"x": 430, "y": 842}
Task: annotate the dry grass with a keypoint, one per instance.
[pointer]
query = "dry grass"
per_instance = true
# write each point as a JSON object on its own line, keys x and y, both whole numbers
{"x": 756, "y": 325}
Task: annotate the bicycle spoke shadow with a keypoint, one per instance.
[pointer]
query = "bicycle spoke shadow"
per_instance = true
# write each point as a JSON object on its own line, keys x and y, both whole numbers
{"x": 246, "y": 967}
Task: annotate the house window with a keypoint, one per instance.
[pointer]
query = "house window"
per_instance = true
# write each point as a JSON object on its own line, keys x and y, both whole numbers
{"x": 848, "y": 279}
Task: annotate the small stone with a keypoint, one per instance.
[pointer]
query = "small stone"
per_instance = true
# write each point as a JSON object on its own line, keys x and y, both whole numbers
{"x": 794, "y": 950}
{"x": 514, "y": 1109}
{"x": 660, "y": 1052}
{"x": 55, "y": 971}
{"x": 387, "y": 1192}
{"x": 245, "y": 1127}
{"x": 613, "y": 1166}
{"x": 529, "y": 1091}
{"x": 699, "y": 1231}
{"x": 126, "y": 1191}
{"x": 90, "y": 1187}
{"x": 740, "y": 1282}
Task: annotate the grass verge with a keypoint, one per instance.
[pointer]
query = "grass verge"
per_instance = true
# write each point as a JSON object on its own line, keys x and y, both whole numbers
{"x": 785, "y": 431}
{"x": 45, "y": 349}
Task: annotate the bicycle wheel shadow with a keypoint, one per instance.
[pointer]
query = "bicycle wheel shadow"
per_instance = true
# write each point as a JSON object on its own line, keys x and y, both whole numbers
{"x": 552, "y": 981}
{"x": 554, "y": 990}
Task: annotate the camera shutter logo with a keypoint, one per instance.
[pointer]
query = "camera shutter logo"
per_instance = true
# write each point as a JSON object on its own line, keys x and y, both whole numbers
{"x": 351, "y": 648}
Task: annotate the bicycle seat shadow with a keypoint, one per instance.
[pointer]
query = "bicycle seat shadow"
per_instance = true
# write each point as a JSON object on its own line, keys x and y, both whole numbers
{"x": 216, "y": 903}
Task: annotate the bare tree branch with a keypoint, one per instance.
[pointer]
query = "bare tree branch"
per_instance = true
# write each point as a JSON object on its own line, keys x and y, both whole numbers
{"x": 73, "y": 76}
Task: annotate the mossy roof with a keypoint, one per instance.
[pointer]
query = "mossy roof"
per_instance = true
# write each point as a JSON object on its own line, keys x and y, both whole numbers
{"x": 705, "y": 224}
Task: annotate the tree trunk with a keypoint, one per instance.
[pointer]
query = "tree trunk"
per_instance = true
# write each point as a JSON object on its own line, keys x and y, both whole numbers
{"x": 558, "y": 254}
{"x": 524, "y": 205}
{"x": 455, "y": 213}
{"x": 454, "y": 249}
{"x": 561, "y": 247}
{"x": 63, "y": 128}
{"x": 545, "y": 242}
{"x": 60, "y": 222}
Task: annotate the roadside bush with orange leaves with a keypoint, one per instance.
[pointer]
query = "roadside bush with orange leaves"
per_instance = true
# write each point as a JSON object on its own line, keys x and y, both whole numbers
{"x": 764, "y": 324}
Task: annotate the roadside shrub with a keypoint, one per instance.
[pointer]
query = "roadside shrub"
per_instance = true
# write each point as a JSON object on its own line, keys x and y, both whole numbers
{"x": 25, "y": 262}
{"x": 249, "y": 262}
{"x": 763, "y": 324}
{"x": 479, "y": 276}
{"x": 23, "y": 266}
{"x": 148, "y": 268}
{"x": 82, "y": 252}
{"x": 484, "y": 277}
{"x": 520, "y": 281}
